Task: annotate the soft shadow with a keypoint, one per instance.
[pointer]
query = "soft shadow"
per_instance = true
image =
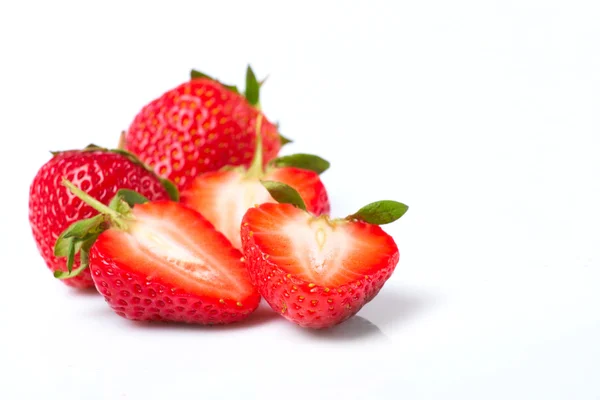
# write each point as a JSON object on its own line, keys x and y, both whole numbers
{"x": 393, "y": 306}
{"x": 262, "y": 316}
{"x": 354, "y": 328}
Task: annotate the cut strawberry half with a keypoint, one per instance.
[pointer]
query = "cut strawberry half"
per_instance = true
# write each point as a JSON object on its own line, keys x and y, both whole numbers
{"x": 313, "y": 270}
{"x": 164, "y": 261}
{"x": 224, "y": 196}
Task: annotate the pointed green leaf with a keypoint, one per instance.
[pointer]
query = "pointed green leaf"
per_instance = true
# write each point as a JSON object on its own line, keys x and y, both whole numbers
{"x": 130, "y": 197}
{"x": 194, "y": 74}
{"x": 170, "y": 188}
{"x": 76, "y": 231}
{"x": 120, "y": 205}
{"x": 263, "y": 81}
{"x": 283, "y": 193}
{"x": 84, "y": 258}
{"x": 67, "y": 275}
{"x": 61, "y": 247}
{"x": 380, "y": 212}
{"x": 304, "y": 161}
{"x": 71, "y": 255}
{"x": 81, "y": 228}
{"x": 283, "y": 140}
{"x": 252, "y": 92}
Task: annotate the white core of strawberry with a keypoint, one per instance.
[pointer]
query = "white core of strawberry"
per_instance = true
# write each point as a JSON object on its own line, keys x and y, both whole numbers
{"x": 235, "y": 198}
{"x": 181, "y": 252}
{"x": 320, "y": 247}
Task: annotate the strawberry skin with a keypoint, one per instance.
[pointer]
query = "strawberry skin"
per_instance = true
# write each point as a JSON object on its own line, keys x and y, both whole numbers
{"x": 172, "y": 265}
{"x": 197, "y": 127}
{"x": 52, "y": 208}
{"x": 223, "y": 197}
{"x": 314, "y": 271}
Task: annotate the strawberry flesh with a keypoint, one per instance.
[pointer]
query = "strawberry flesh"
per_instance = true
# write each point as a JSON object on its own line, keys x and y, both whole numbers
{"x": 223, "y": 197}
{"x": 314, "y": 271}
{"x": 171, "y": 264}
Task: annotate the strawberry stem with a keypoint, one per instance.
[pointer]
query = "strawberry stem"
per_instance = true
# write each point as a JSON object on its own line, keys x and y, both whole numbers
{"x": 95, "y": 204}
{"x": 256, "y": 167}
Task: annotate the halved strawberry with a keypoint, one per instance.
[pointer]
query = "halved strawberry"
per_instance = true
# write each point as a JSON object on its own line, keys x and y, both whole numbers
{"x": 313, "y": 270}
{"x": 163, "y": 261}
{"x": 224, "y": 196}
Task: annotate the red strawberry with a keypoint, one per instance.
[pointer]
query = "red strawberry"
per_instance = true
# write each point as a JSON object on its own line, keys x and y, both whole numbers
{"x": 162, "y": 261}
{"x": 200, "y": 126}
{"x": 99, "y": 171}
{"x": 224, "y": 196}
{"x": 317, "y": 271}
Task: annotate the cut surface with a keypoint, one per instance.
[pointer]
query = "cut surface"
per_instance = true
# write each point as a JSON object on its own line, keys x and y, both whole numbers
{"x": 317, "y": 249}
{"x": 307, "y": 183}
{"x": 173, "y": 244}
{"x": 223, "y": 198}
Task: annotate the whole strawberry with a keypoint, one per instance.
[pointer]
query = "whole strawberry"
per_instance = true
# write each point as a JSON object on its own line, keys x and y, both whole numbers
{"x": 224, "y": 196}
{"x": 101, "y": 172}
{"x": 313, "y": 270}
{"x": 200, "y": 126}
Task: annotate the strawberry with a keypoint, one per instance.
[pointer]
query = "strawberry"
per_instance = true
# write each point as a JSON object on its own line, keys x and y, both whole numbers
{"x": 313, "y": 270}
{"x": 99, "y": 171}
{"x": 224, "y": 196}
{"x": 161, "y": 261}
{"x": 200, "y": 126}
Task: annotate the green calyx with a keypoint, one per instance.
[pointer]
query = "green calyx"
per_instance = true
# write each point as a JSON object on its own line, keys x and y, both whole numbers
{"x": 283, "y": 193}
{"x": 304, "y": 161}
{"x": 377, "y": 213}
{"x": 251, "y": 93}
{"x": 169, "y": 186}
{"x": 79, "y": 237}
{"x": 380, "y": 212}
{"x": 283, "y": 140}
{"x": 195, "y": 74}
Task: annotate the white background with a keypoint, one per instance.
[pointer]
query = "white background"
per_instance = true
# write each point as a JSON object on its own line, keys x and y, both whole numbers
{"x": 483, "y": 116}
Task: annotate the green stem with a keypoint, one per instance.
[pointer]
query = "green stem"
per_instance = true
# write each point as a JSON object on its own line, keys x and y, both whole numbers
{"x": 256, "y": 167}
{"x": 92, "y": 202}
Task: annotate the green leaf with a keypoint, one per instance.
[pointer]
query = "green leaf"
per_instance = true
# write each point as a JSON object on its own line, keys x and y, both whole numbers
{"x": 283, "y": 193}
{"x": 304, "y": 161}
{"x": 252, "y": 92}
{"x": 380, "y": 212}
{"x": 75, "y": 246}
{"x": 84, "y": 258}
{"x": 120, "y": 206}
{"x": 170, "y": 188}
{"x": 283, "y": 140}
{"x": 82, "y": 228}
{"x": 67, "y": 275}
{"x": 78, "y": 230}
{"x": 194, "y": 74}
{"x": 71, "y": 255}
{"x": 130, "y": 197}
